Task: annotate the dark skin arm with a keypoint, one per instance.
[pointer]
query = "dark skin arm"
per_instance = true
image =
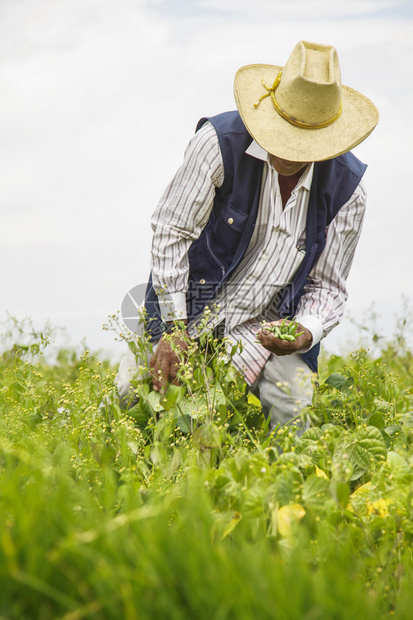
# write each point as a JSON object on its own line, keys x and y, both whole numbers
{"x": 284, "y": 347}
{"x": 165, "y": 361}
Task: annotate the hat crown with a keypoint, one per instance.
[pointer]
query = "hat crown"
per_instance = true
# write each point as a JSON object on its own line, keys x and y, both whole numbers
{"x": 310, "y": 87}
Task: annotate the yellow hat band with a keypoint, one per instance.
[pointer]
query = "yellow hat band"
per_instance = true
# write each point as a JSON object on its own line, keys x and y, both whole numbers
{"x": 294, "y": 121}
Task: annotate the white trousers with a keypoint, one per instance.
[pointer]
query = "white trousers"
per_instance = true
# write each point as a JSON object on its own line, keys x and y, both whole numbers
{"x": 131, "y": 369}
{"x": 284, "y": 386}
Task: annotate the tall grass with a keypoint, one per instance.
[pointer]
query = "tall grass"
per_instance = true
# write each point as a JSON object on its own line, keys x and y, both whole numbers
{"x": 182, "y": 507}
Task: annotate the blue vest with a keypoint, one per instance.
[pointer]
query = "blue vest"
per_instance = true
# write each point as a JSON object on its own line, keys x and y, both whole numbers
{"x": 215, "y": 255}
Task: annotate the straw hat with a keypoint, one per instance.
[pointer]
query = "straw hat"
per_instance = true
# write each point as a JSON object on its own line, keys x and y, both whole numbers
{"x": 302, "y": 112}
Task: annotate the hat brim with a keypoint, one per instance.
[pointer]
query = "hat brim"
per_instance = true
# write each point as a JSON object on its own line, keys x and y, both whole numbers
{"x": 279, "y": 137}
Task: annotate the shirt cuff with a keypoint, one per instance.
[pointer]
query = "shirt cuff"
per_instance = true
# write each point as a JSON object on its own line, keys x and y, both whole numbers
{"x": 313, "y": 324}
{"x": 172, "y": 306}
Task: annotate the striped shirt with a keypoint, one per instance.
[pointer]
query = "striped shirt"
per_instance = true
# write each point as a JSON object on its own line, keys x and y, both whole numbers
{"x": 274, "y": 253}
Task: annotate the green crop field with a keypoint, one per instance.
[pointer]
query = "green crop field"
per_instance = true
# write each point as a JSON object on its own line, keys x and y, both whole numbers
{"x": 183, "y": 507}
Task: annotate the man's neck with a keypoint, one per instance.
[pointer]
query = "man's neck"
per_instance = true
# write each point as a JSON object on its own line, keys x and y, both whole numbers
{"x": 287, "y": 184}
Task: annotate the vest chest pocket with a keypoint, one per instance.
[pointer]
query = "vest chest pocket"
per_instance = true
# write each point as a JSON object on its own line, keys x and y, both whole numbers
{"x": 232, "y": 219}
{"x": 225, "y": 233}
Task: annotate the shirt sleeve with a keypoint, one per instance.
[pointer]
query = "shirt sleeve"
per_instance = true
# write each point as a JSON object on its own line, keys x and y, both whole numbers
{"x": 182, "y": 213}
{"x": 322, "y": 305}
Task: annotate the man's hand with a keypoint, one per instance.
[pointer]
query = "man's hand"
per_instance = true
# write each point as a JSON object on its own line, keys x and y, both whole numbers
{"x": 165, "y": 362}
{"x": 284, "y": 347}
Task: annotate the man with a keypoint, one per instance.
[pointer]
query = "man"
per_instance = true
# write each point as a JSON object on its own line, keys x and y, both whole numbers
{"x": 261, "y": 221}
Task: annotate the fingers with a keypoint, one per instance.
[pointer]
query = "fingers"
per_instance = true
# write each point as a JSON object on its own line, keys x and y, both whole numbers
{"x": 276, "y": 345}
{"x": 164, "y": 366}
{"x": 173, "y": 370}
{"x": 160, "y": 372}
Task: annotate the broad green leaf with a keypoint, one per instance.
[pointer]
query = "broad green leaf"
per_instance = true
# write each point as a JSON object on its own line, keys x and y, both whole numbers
{"x": 292, "y": 458}
{"x": 143, "y": 390}
{"x": 377, "y": 420}
{"x": 154, "y": 400}
{"x": 183, "y": 422}
{"x": 361, "y": 448}
{"x": 309, "y": 441}
{"x": 231, "y": 374}
{"x": 315, "y": 491}
{"x": 312, "y": 433}
{"x": 284, "y": 488}
{"x": 196, "y": 406}
{"x": 140, "y": 415}
{"x": 173, "y": 394}
{"x": 207, "y": 437}
{"x": 371, "y": 441}
{"x": 339, "y": 381}
{"x": 332, "y": 430}
{"x": 400, "y": 469}
{"x": 397, "y": 434}
{"x": 393, "y": 429}
{"x": 305, "y": 462}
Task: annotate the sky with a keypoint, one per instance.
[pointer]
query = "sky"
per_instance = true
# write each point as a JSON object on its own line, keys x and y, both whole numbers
{"x": 98, "y": 101}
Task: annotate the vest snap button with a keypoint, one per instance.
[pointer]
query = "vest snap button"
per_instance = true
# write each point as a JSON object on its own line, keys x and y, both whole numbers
{"x": 230, "y": 221}
{"x": 202, "y": 281}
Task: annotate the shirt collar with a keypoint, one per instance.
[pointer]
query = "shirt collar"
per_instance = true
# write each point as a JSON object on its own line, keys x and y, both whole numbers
{"x": 255, "y": 150}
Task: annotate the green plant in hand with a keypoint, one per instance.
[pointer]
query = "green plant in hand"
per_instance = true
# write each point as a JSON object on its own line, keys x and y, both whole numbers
{"x": 285, "y": 331}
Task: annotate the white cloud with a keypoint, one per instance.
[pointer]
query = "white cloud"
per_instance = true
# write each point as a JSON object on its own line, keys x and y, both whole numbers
{"x": 304, "y": 10}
